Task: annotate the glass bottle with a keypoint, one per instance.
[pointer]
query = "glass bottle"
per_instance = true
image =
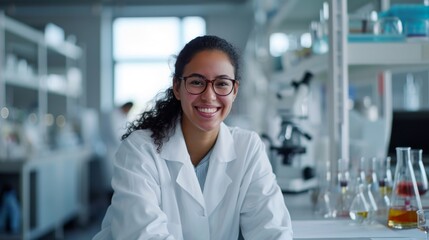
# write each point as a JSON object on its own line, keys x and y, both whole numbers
{"x": 405, "y": 199}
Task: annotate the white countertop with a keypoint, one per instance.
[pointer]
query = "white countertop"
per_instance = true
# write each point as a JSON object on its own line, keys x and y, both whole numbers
{"x": 307, "y": 226}
{"x": 345, "y": 229}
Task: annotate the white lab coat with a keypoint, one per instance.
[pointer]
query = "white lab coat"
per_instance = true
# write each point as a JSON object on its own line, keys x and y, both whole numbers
{"x": 157, "y": 195}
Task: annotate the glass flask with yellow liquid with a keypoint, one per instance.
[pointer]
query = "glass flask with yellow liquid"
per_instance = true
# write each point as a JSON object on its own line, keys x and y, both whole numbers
{"x": 405, "y": 199}
{"x": 359, "y": 207}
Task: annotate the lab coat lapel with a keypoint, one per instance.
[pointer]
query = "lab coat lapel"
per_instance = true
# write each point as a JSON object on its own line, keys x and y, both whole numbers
{"x": 175, "y": 150}
{"x": 217, "y": 180}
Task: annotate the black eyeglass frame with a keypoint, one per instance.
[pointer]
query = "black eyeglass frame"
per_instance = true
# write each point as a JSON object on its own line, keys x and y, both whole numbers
{"x": 184, "y": 78}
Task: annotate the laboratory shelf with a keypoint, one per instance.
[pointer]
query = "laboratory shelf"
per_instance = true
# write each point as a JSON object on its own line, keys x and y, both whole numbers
{"x": 407, "y": 53}
{"x": 66, "y": 49}
{"x": 31, "y": 82}
{"x": 378, "y": 55}
{"x": 45, "y": 79}
{"x": 13, "y": 26}
{"x": 29, "y": 62}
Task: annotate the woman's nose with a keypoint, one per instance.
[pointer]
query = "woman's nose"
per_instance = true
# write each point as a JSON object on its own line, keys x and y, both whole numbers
{"x": 209, "y": 93}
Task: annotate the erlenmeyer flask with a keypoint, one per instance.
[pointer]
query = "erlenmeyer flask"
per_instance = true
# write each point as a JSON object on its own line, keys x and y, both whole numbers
{"x": 385, "y": 183}
{"x": 363, "y": 186}
{"x": 324, "y": 202}
{"x": 405, "y": 200}
{"x": 419, "y": 171}
{"x": 359, "y": 207}
{"x": 372, "y": 178}
{"x": 385, "y": 180}
{"x": 343, "y": 199}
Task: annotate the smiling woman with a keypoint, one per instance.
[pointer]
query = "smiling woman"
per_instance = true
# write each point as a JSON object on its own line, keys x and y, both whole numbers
{"x": 181, "y": 173}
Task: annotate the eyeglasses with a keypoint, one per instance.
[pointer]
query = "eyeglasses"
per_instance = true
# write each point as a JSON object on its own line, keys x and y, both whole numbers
{"x": 197, "y": 84}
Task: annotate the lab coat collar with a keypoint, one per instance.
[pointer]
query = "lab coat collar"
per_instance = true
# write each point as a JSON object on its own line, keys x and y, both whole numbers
{"x": 217, "y": 180}
{"x": 223, "y": 150}
{"x": 175, "y": 148}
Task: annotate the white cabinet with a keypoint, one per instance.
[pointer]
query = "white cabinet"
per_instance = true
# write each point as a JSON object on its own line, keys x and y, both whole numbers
{"x": 50, "y": 189}
{"x": 41, "y": 94}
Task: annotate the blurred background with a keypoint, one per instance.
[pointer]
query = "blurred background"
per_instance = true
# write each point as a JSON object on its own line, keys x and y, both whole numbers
{"x": 73, "y": 73}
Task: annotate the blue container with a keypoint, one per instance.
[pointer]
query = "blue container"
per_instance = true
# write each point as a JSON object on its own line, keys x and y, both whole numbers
{"x": 414, "y": 18}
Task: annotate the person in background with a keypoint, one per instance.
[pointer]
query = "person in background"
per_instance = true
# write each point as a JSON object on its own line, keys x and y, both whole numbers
{"x": 116, "y": 126}
{"x": 119, "y": 120}
{"x": 182, "y": 173}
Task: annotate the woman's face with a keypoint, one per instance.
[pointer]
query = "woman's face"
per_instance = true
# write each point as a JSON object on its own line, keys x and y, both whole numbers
{"x": 205, "y": 112}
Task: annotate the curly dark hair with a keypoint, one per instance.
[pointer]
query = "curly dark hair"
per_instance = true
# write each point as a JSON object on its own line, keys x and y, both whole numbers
{"x": 162, "y": 118}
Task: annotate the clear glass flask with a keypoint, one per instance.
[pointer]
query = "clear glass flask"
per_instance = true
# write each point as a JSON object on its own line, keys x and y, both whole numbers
{"x": 323, "y": 201}
{"x": 419, "y": 171}
{"x": 385, "y": 184}
{"x": 344, "y": 198}
{"x": 385, "y": 180}
{"x": 405, "y": 199}
{"x": 359, "y": 208}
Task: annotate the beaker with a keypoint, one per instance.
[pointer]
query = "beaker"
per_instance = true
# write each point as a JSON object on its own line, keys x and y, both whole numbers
{"x": 405, "y": 200}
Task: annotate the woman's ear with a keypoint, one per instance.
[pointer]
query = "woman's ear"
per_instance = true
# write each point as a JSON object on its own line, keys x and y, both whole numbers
{"x": 235, "y": 91}
{"x": 176, "y": 88}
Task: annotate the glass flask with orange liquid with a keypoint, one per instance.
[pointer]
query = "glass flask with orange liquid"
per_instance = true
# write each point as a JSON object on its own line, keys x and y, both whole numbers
{"x": 405, "y": 199}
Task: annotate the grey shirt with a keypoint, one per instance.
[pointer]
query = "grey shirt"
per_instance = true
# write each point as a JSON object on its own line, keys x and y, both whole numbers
{"x": 202, "y": 168}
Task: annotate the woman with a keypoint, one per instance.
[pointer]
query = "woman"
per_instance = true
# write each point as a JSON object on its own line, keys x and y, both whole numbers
{"x": 181, "y": 173}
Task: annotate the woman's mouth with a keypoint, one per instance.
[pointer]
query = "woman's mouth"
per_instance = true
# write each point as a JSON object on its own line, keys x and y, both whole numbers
{"x": 206, "y": 110}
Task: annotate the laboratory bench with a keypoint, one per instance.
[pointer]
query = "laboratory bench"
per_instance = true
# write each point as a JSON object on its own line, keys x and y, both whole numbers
{"x": 307, "y": 225}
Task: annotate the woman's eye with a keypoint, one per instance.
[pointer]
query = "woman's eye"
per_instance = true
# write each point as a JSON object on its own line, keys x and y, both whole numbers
{"x": 222, "y": 83}
{"x": 197, "y": 82}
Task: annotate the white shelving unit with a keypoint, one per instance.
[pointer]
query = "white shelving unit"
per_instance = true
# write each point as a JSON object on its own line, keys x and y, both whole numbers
{"x": 345, "y": 60}
{"x": 43, "y": 82}
{"x": 363, "y": 55}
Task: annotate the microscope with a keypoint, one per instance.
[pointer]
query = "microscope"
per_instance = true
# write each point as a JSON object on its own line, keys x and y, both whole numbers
{"x": 291, "y": 154}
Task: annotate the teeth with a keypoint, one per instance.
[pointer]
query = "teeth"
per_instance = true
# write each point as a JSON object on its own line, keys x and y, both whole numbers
{"x": 207, "y": 110}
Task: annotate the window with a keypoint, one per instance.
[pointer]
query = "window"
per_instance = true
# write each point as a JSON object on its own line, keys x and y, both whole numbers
{"x": 143, "y": 50}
